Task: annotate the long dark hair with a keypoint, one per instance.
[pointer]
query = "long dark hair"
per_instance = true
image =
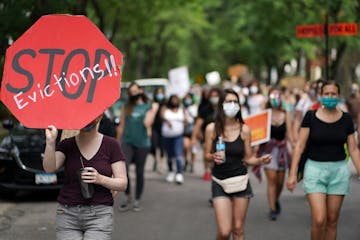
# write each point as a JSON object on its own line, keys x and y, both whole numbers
{"x": 220, "y": 116}
{"x": 130, "y": 103}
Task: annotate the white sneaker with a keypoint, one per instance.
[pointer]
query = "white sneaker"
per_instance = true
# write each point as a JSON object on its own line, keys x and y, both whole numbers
{"x": 179, "y": 178}
{"x": 170, "y": 177}
{"x": 136, "y": 206}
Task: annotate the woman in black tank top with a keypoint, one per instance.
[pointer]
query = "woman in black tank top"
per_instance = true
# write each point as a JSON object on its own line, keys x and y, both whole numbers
{"x": 277, "y": 146}
{"x": 230, "y": 208}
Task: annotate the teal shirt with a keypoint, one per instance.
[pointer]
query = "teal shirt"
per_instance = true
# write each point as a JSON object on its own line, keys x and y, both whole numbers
{"x": 135, "y": 132}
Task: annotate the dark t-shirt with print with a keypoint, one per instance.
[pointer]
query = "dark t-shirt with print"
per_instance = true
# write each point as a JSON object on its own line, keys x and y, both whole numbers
{"x": 326, "y": 140}
{"x": 108, "y": 153}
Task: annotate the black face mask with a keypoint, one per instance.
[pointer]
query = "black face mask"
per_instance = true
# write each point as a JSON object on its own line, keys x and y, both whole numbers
{"x": 135, "y": 97}
{"x": 173, "y": 105}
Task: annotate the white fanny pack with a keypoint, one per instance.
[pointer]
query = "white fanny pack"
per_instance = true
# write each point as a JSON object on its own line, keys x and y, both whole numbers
{"x": 233, "y": 184}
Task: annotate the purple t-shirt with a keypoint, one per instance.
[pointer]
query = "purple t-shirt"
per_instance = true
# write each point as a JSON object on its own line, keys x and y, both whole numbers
{"x": 108, "y": 153}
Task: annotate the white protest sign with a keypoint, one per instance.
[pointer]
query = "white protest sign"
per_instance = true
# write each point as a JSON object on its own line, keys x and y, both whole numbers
{"x": 213, "y": 78}
{"x": 179, "y": 81}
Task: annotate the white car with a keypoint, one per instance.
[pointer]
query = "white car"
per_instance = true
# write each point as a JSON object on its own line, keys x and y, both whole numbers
{"x": 148, "y": 85}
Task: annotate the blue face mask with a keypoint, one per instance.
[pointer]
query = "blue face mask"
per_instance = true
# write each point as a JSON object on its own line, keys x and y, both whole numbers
{"x": 90, "y": 126}
{"x": 329, "y": 102}
{"x": 160, "y": 97}
{"x": 187, "y": 102}
{"x": 275, "y": 102}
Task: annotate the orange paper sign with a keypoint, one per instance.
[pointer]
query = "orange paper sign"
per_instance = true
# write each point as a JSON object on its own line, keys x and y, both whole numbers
{"x": 260, "y": 125}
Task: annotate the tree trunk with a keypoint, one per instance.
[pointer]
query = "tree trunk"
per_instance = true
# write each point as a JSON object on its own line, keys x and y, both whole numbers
{"x": 335, "y": 64}
{"x": 99, "y": 14}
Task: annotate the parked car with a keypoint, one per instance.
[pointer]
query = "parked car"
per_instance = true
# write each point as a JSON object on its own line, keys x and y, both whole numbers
{"x": 21, "y": 153}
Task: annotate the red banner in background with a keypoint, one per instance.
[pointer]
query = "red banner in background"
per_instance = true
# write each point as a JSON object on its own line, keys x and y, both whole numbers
{"x": 343, "y": 29}
{"x": 335, "y": 29}
{"x": 315, "y": 30}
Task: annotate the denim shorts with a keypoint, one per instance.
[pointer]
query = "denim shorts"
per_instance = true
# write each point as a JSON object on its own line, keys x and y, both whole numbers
{"x": 84, "y": 222}
{"x": 332, "y": 178}
{"x": 217, "y": 191}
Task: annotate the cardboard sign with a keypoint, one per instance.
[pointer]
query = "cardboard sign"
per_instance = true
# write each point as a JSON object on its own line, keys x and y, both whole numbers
{"x": 260, "y": 126}
{"x": 238, "y": 70}
{"x": 61, "y": 71}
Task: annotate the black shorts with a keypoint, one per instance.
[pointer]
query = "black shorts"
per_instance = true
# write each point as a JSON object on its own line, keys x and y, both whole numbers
{"x": 217, "y": 191}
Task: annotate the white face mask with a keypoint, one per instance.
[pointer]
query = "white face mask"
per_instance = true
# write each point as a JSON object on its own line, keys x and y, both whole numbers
{"x": 254, "y": 89}
{"x": 245, "y": 91}
{"x": 231, "y": 109}
{"x": 214, "y": 100}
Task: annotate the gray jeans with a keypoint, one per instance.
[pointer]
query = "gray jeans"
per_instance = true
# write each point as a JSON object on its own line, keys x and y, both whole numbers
{"x": 84, "y": 222}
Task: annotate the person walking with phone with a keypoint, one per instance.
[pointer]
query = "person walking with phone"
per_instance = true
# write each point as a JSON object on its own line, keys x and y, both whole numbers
{"x": 326, "y": 174}
{"x": 94, "y": 166}
{"x": 230, "y": 201}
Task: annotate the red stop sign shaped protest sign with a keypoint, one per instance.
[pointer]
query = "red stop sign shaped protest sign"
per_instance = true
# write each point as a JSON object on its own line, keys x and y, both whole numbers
{"x": 61, "y": 71}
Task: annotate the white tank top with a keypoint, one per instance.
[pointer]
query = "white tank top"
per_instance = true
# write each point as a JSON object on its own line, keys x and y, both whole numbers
{"x": 176, "y": 120}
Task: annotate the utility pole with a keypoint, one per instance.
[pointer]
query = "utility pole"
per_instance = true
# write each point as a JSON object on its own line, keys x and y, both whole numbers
{"x": 326, "y": 32}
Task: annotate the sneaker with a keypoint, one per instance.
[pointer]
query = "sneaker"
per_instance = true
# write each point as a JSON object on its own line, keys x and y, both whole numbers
{"x": 170, "y": 177}
{"x": 272, "y": 215}
{"x": 136, "y": 206}
{"x": 179, "y": 178}
{"x": 125, "y": 206}
{"x": 277, "y": 207}
{"x": 207, "y": 176}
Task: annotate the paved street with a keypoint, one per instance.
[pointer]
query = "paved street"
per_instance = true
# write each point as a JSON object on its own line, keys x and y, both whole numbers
{"x": 180, "y": 212}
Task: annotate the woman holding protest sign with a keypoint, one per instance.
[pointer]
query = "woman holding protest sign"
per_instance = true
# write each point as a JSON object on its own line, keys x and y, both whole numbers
{"x": 134, "y": 131}
{"x": 227, "y": 144}
{"x": 94, "y": 166}
{"x": 326, "y": 174}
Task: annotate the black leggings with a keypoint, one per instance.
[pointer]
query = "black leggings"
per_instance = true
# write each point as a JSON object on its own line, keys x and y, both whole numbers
{"x": 135, "y": 155}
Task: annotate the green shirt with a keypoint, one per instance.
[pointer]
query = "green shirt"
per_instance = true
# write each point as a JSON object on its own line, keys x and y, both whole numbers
{"x": 135, "y": 132}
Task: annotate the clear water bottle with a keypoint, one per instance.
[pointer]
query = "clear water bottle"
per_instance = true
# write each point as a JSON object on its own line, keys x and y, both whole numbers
{"x": 220, "y": 147}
